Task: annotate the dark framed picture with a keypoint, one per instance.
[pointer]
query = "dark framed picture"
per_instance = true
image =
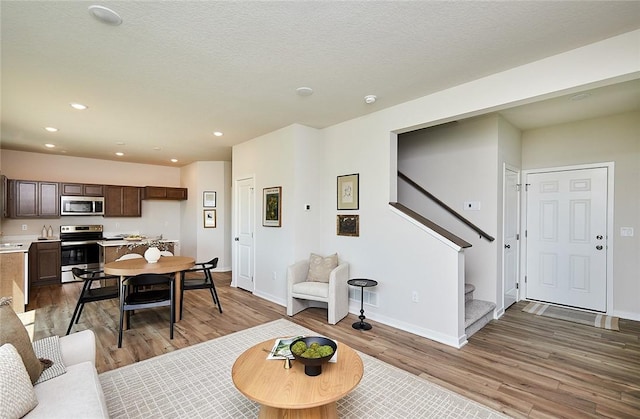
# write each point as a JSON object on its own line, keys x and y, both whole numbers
{"x": 209, "y": 199}
{"x": 348, "y": 225}
{"x": 272, "y": 206}
{"x": 348, "y": 186}
{"x": 209, "y": 218}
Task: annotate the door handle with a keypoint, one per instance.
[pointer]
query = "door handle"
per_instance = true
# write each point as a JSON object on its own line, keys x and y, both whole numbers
{"x": 599, "y": 247}
{"x": 599, "y": 237}
{"x": 237, "y": 239}
{"x": 507, "y": 246}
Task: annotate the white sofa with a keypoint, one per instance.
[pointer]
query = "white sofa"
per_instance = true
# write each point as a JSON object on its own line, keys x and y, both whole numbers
{"x": 76, "y": 393}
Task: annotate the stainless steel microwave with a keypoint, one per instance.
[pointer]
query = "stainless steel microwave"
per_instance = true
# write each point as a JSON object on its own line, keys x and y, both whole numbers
{"x": 81, "y": 205}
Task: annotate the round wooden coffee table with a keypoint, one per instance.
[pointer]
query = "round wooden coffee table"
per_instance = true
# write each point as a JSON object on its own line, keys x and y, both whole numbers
{"x": 289, "y": 392}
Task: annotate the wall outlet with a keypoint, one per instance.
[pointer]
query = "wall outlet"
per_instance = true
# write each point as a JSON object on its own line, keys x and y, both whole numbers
{"x": 415, "y": 297}
{"x": 24, "y": 227}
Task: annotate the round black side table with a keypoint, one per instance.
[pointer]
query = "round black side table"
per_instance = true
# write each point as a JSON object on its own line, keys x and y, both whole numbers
{"x": 362, "y": 283}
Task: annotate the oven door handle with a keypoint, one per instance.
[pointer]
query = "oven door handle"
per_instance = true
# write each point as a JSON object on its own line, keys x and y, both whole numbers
{"x": 79, "y": 243}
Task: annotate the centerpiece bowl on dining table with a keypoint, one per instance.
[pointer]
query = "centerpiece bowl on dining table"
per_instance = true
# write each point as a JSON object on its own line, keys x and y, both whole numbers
{"x": 313, "y": 366}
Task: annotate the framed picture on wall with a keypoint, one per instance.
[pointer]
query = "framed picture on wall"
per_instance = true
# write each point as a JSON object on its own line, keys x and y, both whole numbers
{"x": 209, "y": 199}
{"x": 348, "y": 225}
{"x": 209, "y": 218}
{"x": 272, "y": 206}
{"x": 348, "y": 186}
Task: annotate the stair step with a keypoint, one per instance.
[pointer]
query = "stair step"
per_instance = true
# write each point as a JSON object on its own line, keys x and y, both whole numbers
{"x": 468, "y": 292}
{"x": 477, "y": 313}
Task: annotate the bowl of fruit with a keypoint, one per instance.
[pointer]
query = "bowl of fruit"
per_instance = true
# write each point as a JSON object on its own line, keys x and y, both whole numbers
{"x": 313, "y": 352}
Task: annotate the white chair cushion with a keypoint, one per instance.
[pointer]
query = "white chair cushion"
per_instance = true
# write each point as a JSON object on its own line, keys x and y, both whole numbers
{"x": 317, "y": 289}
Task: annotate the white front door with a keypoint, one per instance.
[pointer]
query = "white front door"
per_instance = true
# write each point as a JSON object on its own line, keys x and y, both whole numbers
{"x": 244, "y": 227}
{"x": 510, "y": 251}
{"x": 567, "y": 237}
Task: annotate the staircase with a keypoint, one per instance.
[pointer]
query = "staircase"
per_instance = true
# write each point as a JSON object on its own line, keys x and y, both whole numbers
{"x": 477, "y": 313}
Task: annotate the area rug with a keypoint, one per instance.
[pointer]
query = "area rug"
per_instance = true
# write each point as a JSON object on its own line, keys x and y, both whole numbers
{"x": 576, "y": 316}
{"x": 195, "y": 382}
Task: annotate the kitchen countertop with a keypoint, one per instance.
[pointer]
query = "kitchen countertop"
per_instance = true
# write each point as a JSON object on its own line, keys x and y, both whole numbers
{"x": 21, "y": 244}
{"x": 113, "y": 243}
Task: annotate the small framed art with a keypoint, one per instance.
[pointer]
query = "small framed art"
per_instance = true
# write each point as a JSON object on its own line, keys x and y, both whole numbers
{"x": 272, "y": 206}
{"x": 209, "y": 199}
{"x": 348, "y": 225}
{"x": 209, "y": 218}
{"x": 348, "y": 192}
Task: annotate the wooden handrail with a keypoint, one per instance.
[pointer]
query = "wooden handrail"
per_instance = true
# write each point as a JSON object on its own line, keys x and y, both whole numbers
{"x": 445, "y": 207}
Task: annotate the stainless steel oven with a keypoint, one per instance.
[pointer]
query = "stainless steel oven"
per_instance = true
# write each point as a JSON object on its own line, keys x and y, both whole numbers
{"x": 79, "y": 248}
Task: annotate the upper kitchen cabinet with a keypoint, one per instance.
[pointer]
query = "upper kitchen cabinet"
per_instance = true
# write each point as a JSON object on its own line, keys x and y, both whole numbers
{"x": 33, "y": 199}
{"x": 122, "y": 201}
{"x": 161, "y": 192}
{"x": 80, "y": 189}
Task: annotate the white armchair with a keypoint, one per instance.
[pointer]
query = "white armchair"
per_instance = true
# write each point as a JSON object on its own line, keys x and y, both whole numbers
{"x": 334, "y": 294}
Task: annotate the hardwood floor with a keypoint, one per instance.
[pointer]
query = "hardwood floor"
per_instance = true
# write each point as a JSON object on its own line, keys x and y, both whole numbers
{"x": 522, "y": 365}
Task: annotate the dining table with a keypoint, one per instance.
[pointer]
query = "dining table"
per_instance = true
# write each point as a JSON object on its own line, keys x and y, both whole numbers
{"x": 165, "y": 265}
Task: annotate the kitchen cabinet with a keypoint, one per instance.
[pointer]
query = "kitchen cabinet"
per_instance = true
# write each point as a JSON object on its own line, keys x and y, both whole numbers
{"x": 81, "y": 189}
{"x": 45, "y": 263}
{"x": 122, "y": 201}
{"x": 12, "y": 276}
{"x": 33, "y": 199}
{"x": 161, "y": 192}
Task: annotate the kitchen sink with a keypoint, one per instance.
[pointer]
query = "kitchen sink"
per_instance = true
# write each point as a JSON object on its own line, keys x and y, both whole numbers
{"x": 4, "y": 246}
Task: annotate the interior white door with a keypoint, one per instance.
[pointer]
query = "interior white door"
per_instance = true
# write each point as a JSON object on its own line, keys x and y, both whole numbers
{"x": 245, "y": 215}
{"x": 510, "y": 251}
{"x": 567, "y": 238}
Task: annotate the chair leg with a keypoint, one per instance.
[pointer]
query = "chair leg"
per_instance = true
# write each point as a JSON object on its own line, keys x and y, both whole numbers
{"x": 172, "y": 315}
{"x": 182, "y": 293}
{"x": 79, "y": 313}
{"x": 214, "y": 293}
{"x": 75, "y": 313}
{"x": 120, "y": 329}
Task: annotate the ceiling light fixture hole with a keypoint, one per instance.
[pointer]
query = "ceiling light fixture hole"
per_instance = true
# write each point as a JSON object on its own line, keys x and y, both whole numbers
{"x": 105, "y": 15}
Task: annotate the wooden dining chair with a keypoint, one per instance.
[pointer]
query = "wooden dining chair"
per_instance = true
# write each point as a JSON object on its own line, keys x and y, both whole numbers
{"x": 140, "y": 292}
{"x": 90, "y": 293}
{"x": 201, "y": 282}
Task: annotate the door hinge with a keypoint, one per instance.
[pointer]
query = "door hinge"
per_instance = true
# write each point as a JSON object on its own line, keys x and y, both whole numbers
{"x": 518, "y": 186}
{"x": 517, "y": 286}
{"x": 525, "y": 234}
{"x": 517, "y": 236}
{"x": 525, "y": 279}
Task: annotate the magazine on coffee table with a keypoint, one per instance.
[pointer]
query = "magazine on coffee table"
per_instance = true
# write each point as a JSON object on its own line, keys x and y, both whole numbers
{"x": 281, "y": 349}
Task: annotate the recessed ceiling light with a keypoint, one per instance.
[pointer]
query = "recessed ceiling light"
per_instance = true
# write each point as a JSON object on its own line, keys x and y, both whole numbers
{"x": 78, "y": 106}
{"x": 217, "y": 133}
{"x": 120, "y": 143}
{"x": 51, "y": 129}
{"x": 105, "y": 15}
{"x": 304, "y": 91}
{"x": 157, "y": 148}
{"x": 369, "y": 99}
{"x": 119, "y": 153}
{"x": 174, "y": 160}
{"x": 50, "y": 145}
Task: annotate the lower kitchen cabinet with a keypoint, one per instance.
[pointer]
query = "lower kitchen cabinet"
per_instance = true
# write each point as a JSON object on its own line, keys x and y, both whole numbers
{"x": 44, "y": 263}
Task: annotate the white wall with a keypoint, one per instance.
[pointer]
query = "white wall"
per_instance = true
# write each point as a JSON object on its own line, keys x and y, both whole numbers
{"x": 458, "y": 162}
{"x": 390, "y": 249}
{"x": 207, "y": 243}
{"x": 617, "y": 139}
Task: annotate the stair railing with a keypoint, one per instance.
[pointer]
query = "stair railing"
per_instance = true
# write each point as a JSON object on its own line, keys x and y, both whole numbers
{"x": 445, "y": 207}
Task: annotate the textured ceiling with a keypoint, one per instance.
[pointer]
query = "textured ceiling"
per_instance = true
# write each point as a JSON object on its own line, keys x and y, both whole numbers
{"x": 175, "y": 71}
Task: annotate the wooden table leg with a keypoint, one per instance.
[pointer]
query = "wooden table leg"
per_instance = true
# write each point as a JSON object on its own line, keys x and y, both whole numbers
{"x": 327, "y": 411}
